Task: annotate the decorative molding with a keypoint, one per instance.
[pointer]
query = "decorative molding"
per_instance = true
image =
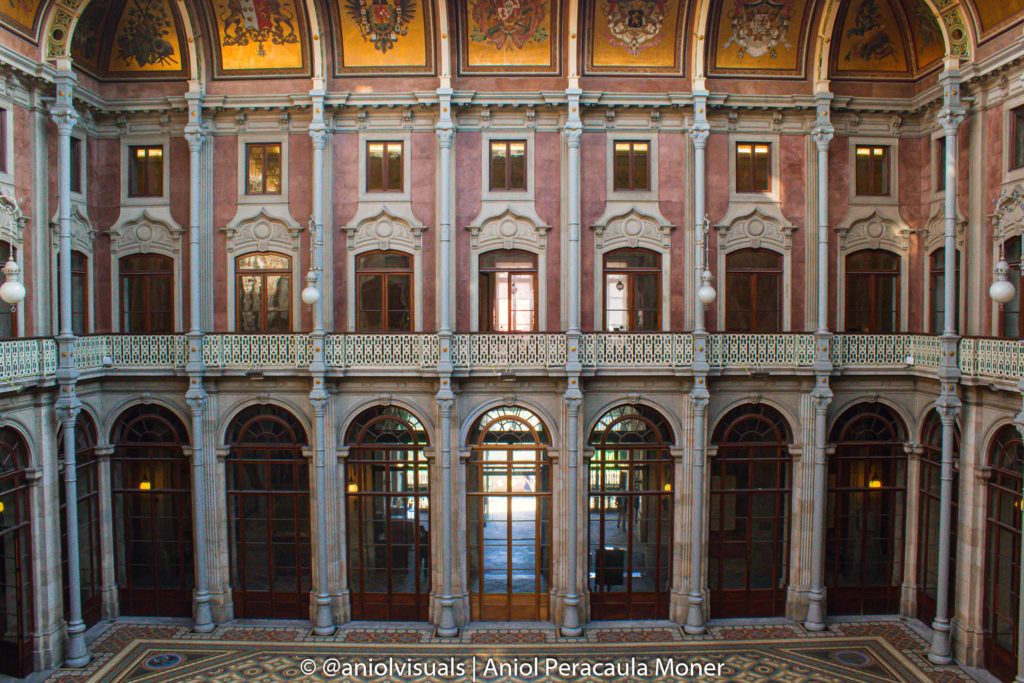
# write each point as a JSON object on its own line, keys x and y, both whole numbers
{"x": 632, "y": 229}
{"x": 12, "y": 221}
{"x": 876, "y": 230}
{"x": 262, "y": 232}
{"x": 763, "y": 228}
{"x": 508, "y": 230}
{"x": 384, "y": 230}
{"x": 935, "y": 231}
{"x": 144, "y": 233}
{"x": 83, "y": 233}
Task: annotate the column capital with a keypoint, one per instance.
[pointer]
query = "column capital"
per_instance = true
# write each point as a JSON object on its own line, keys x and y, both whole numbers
{"x": 67, "y": 411}
{"x": 950, "y": 118}
{"x": 445, "y": 135}
{"x": 196, "y": 137}
{"x": 319, "y": 403}
{"x": 699, "y": 133}
{"x": 196, "y": 398}
{"x": 822, "y": 135}
{"x": 573, "y": 133}
{"x": 821, "y": 397}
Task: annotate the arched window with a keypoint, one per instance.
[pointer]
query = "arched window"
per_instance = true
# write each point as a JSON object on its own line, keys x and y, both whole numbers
{"x": 268, "y": 514}
{"x": 867, "y": 486}
{"x": 937, "y": 279}
{"x": 928, "y": 519}
{"x": 147, "y": 294}
{"x": 748, "y": 538}
{"x": 152, "y": 513}
{"x": 89, "y": 548}
{"x": 508, "y": 291}
{"x": 1012, "y": 320}
{"x": 263, "y": 292}
{"x": 872, "y": 292}
{"x": 16, "y": 583}
{"x": 630, "y": 515}
{"x": 384, "y": 292}
{"x": 508, "y": 517}
{"x": 388, "y": 503}
{"x": 753, "y": 291}
{"x": 1002, "y": 553}
{"x": 632, "y": 291}
{"x": 8, "y": 317}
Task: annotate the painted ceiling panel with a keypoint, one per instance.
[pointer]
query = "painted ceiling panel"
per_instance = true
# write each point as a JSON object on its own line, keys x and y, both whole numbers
{"x": 130, "y": 38}
{"x": 870, "y": 40}
{"x": 926, "y": 33}
{"x": 996, "y": 15}
{"x": 383, "y": 36}
{"x": 759, "y": 37}
{"x": 259, "y": 38}
{"x": 635, "y": 36}
{"x": 509, "y": 36}
{"x": 22, "y": 16}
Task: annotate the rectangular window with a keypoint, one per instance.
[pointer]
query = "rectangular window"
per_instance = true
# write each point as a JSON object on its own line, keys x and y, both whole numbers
{"x": 872, "y": 170}
{"x": 8, "y": 319}
{"x": 3, "y": 141}
{"x": 146, "y": 171}
{"x": 940, "y": 164}
{"x": 1017, "y": 137}
{"x": 753, "y": 167}
{"x": 508, "y": 165}
{"x": 263, "y": 164}
{"x": 384, "y": 167}
{"x": 632, "y": 165}
{"x": 76, "y": 165}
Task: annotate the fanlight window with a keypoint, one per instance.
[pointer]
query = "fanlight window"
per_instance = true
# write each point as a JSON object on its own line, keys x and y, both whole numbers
{"x": 509, "y": 426}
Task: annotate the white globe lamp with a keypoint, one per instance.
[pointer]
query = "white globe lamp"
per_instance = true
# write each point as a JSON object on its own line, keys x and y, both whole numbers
{"x": 310, "y": 295}
{"x": 1002, "y": 290}
{"x": 12, "y": 291}
{"x": 706, "y": 294}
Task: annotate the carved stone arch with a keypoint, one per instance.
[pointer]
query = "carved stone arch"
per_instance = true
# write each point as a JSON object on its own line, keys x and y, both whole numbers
{"x": 632, "y": 228}
{"x": 12, "y": 221}
{"x": 263, "y": 232}
{"x": 875, "y": 229}
{"x": 509, "y": 230}
{"x": 935, "y": 231}
{"x": 384, "y": 230}
{"x": 83, "y": 233}
{"x": 144, "y": 234}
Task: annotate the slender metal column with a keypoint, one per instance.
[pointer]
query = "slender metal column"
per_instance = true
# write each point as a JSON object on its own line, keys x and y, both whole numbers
{"x": 1018, "y": 422}
{"x": 699, "y": 394}
{"x": 68, "y": 406}
{"x": 195, "y": 135}
{"x": 446, "y": 627}
{"x": 323, "y": 621}
{"x": 573, "y": 396}
{"x": 948, "y": 405}
{"x": 821, "y": 395}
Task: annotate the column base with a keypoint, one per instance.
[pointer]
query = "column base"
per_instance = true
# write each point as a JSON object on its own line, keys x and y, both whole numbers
{"x": 78, "y": 662}
{"x": 815, "y": 626}
{"x": 939, "y": 659}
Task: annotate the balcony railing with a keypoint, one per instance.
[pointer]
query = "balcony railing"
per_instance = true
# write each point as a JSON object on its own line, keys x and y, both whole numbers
{"x": 992, "y": 359}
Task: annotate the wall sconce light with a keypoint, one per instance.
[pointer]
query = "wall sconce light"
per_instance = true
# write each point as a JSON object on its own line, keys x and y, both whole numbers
{"x": 12, "y": 291}
{"x": 875, "y": 482}
{"x": 352, "y": 487}
{"x": 1, "y": 507}
{"x": 311, "y": 294}
{"x": 144, "y": 485}
{"x": 1002, "y": 290}
{"x": 668, "y": 487}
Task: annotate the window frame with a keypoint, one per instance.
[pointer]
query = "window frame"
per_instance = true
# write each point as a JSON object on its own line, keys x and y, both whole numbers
{"x": 897, "y": 312}
{"x": 384, "y": 168}
{"x": 508, "y": 142}
{"x": 631, "y": 272}
{"x": 77, "y": 166}
{"x": 287, "y": 271}
{"x": 939, "y": 165}
{"x": 385, "y": 272}
{"x": 933, "y": 273}
{"x": 1015, "y": 265}
{"x": 122, "y": 313}
{"x": 486, "y": 303}
{"x": 5, "y": 146}
{"x": 6, "y": 310}
{"x": 1016, "y": 117}
{"x": 632, "y": 164}
{"x": 870, "y": 190}
{"x": 249, "y": 147}
{"x": 132, "y": 161}
{"x": 769, "y": 176}
{"x": 779, "y": 292}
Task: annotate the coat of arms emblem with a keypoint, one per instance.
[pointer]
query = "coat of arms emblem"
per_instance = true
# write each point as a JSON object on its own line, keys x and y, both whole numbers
{"x": 759, "y": 26}
{"x": 258, "y": 21}
{"x": 635, "y": 24}
{"x": 382, "y": 22}
{"x": 508, "y": 24}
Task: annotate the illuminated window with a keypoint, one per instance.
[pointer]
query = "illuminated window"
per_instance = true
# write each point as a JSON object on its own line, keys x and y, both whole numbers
{"x": 508, "y": 165}
{"x": 940, "y": 164}
{"x": 263, "y": 285}
{"x": 384, "y": 167}
{"x": 263, "y": 164}
{"x": 1017, "y": 138}
{"x": 872, "y": 170}
{"x": 753, "y": 166}
{"x": 76, "y": 165}
{"x": 3, "y": 141}
{"x": 146, "y": 171}
{"x": 384, "y": 292}
{"x": 632, "y": 286}
{"x": 632, "y": 165}
{"x": 508, "y": 291}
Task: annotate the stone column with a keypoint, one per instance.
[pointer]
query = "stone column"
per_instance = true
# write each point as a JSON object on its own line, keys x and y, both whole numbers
{"x": 323, "y": 620}
{"x": 821, "y": 395}
{"x": 196, "y": 135}
{"x": 948, "y": 405}
{"x": 1018, "y": 422}
{"x": 695, "y": 617}
{"x": 573, "y": 396}
{"x": 68, "y": 406}
{"x": 108, "y": 577}
{"x": 446, "y": 626}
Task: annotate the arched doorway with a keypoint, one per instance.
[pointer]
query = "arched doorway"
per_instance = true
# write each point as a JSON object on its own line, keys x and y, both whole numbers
{"x": 388, "y": 502}
{"x": 89, "y": 550}
{"x": 268, "y": 514}
{"x": 748, "y": 537}
{"x": 152, "y": 513}
{"x": 867, "y": 489}
{"x": 630, "y": 515}
{"x": 508, "y": 516}
{"x": 1002, "y": 552}
{"x": 928, "y": 519}
{"x": 15, "y": 557}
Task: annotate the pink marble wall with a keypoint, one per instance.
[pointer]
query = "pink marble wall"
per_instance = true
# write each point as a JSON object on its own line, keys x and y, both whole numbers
{"x": 995, "y": 163}
{"x": 913, "y": 157}
{"x": 300, "y": 205}
{"x": 467, "y": 191}
{"x": 716, "y": 165}
{"x": 225, "y": 198}
{"x": 593, "y": 196}
{"x": 104, "y": 209}
{"x": 672, "y": 202}
{"x": 345, "y": 158}
{"x": 839, "y": 178}
{"x": 424, "y": 200}
{"x": 792, "y": 171}
{"x": 548, "y": 186}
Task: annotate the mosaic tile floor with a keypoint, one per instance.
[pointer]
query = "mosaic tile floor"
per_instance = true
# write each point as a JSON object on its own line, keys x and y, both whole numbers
{"x": 862, "y": 652}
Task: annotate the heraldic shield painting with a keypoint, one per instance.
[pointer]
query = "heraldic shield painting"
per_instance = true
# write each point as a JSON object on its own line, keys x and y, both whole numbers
{"x": 759, "y": 37}
{"x": 634, "y": 35}
{"x": 259, "y": 37}
{"x": 509, "y": 36}
{"x": 146, "y": 40}
{"x": 384, "y": 36}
